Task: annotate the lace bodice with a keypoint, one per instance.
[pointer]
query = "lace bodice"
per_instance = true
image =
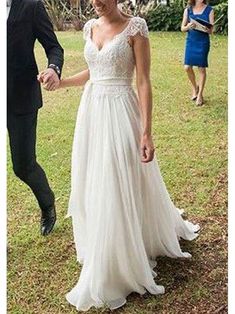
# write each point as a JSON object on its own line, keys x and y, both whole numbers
{"x": 115, "y": 59}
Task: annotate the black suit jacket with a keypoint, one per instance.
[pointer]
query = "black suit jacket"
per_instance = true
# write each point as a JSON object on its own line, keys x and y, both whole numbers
{"x": 28, "y": 21}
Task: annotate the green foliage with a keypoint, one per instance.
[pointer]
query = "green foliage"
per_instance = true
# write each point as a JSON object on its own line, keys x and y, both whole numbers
{"x": 168, "y": 18}
{"x": 165, "y": 18}
{"x": 221, "y": 18}
{"x": 215, "y": 2}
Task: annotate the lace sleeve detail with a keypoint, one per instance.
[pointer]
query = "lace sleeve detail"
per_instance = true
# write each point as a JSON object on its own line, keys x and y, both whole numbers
{"x": 138, "y": 26}
{"x": 87, "y": 29}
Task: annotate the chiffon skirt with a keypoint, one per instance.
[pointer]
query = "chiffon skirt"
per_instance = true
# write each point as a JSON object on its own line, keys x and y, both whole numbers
{"x": 122, "y": 215}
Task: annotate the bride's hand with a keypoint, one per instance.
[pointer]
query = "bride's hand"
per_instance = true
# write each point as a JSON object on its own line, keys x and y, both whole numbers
{"x": 147, "y": 148}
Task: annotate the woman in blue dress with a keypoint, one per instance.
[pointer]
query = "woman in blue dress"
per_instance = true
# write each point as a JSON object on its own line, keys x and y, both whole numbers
{"x": 197, "y": 45}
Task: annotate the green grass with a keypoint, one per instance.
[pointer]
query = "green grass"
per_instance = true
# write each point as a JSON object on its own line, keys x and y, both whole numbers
{"x": 192, "y": 151}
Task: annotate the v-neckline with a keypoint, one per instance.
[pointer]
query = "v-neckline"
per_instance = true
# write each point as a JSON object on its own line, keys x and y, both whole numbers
{"x": 111, "y": 40}
{"x": 200, "y": 12}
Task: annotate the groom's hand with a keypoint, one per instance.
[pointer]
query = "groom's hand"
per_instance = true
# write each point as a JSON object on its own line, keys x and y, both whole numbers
{"x": 49, "y": 79}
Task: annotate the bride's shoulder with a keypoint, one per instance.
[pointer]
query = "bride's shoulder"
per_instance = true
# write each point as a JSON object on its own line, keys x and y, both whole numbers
{"x": 89, "y": 23}
{"x": 87, "y": 28}
{"x": 138, "y": 25}
{"x": 138, "y": 19}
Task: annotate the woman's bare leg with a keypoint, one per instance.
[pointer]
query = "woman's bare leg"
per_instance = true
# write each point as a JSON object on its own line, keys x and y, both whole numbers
{"x": 192, "y": 78}
{"x": 202, "y": 82}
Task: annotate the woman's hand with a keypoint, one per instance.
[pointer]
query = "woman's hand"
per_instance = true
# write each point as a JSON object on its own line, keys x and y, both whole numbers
{"x": 209, "y": 30}
{"x": 147, "y": 148}
{"x": 191, "y": 25}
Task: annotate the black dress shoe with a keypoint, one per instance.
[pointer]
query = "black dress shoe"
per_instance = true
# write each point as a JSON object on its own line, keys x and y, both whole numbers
{"x": 48, "y": 220}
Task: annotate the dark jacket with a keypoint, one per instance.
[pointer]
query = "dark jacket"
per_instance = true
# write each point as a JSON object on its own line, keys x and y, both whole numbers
{"x": 28, "y": 21}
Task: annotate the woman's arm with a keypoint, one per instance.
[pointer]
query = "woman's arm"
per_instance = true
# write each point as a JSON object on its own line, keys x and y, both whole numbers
{"x": 212, "y": 21}
{"x": 76, "y": 80}
{"x": 141, "y": 49}
{"x": 185, "y": 26}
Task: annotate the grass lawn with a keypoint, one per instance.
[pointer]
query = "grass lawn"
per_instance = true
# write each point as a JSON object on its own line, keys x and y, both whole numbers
{"x": 192, "y": 151}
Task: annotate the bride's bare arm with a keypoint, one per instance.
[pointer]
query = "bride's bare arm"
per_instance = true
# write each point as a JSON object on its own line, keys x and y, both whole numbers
{"x": 76, "y": 80}
{"x": 141, "y": 48}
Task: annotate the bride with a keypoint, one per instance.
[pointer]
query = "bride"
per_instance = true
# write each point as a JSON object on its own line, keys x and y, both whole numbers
{"x": 123, "y": 217}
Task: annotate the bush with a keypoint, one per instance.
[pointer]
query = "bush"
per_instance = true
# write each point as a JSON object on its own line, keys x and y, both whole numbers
{"x": 221, "y": 18}
{"x": 58, "y": 13}
{"x": 169, "y": 18}
{"x": 215, "y": 2}
{"x": 64, "y": 16}
{"x": 165, "y": 18}
{"x": 158, "y": 16}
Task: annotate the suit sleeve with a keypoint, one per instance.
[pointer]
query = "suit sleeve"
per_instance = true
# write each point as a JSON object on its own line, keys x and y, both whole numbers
{"x": 45, "y": 34}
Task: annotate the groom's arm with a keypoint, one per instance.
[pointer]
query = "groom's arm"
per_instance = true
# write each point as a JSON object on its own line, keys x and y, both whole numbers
{"x": 45, "y": 34}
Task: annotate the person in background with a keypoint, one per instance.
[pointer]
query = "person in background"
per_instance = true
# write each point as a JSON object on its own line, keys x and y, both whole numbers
{"x": 197, "y": 45}
{"x": 27, "y": 21}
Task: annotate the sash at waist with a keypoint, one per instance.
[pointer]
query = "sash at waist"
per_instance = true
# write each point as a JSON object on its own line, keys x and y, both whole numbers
{"x": 112, "y": 82}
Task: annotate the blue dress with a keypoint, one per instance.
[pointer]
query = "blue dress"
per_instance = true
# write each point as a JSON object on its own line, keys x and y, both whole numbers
{"x": 197, "y": 43}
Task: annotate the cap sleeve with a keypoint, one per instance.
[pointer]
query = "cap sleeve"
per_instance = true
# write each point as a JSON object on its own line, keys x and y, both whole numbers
{"x": 139, "y": 26}
{"x": 209, "y": 8}
{"x": 87, "y": 29}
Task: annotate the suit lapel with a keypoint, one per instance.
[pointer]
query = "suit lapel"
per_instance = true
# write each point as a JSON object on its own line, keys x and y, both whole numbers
{"x": 14, "y": 10}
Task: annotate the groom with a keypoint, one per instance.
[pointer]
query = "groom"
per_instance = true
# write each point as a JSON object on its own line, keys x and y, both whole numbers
{"x": 27, "y": 21}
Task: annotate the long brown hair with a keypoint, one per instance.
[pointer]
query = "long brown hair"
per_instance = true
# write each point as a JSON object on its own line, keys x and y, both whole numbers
{"x": 192, "y": 3}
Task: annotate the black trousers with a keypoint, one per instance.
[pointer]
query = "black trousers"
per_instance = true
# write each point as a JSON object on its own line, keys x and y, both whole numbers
{"x": 22, "y": 135}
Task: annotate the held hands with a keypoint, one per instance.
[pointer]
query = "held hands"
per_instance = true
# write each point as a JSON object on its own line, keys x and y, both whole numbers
{"x": 147, "y": 148}
{"x": 49, "y": 79}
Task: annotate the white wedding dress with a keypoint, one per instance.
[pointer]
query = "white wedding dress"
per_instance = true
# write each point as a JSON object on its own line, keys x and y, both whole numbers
{"x": 123, "y": 217}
